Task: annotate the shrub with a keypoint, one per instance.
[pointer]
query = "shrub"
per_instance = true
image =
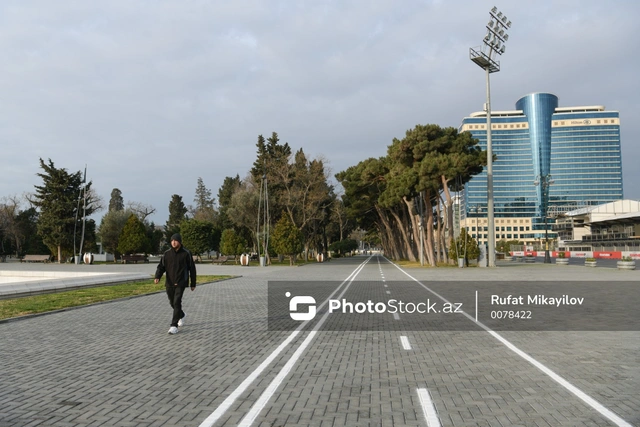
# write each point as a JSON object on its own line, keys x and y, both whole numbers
{"x": 591, "y": 259}
{"x": 561, "y": 254}
{"x": 627, "y": 258}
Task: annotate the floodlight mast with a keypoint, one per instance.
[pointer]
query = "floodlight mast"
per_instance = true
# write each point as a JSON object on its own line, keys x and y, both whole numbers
{"x": 485, "y": 56}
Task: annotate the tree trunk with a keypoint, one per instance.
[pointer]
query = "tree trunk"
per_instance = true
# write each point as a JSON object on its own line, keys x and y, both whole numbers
{"x": 60, "y": 255}
{"x": 449, "y": 205}
{"x": 393, "y": 245}
{"x": 429, "y": 223}
{"x": 411, "y": 256}
{"x": 414, "y": 224}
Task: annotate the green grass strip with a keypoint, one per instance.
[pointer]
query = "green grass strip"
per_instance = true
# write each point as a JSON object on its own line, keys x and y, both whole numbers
{"x": 57, "y": 301}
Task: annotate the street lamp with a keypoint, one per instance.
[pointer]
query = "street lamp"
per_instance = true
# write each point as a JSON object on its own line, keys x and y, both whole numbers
{"x": 545, "y": 182}
{"x": 485, "y": 56}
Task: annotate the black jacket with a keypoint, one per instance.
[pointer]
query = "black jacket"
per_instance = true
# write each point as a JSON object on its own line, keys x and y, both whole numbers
{"x": 179, "y": 266}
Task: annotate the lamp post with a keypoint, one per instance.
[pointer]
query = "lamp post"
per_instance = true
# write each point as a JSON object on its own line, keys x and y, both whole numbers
{"x": 476, "y": 209}
{"x": 485, "y": 56}
{"x": 545, "y": 181}
{"x": 263, "y": 202}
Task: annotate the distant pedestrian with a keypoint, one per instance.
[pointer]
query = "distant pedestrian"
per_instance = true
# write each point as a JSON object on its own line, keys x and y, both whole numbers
{"x": 178, "y": 263}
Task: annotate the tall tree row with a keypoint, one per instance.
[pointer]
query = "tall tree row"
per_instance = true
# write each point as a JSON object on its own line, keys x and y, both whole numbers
{"x": 425, "y": 166}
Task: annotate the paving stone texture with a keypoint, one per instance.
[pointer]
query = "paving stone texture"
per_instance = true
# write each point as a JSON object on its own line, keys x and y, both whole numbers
{"x": 113, "y": 364}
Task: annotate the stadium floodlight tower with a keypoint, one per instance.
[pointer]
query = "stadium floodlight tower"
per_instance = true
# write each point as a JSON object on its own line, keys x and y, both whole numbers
{"x": 485, "y": 56}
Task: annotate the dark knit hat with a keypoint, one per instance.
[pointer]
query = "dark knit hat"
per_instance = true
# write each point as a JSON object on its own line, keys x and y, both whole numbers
{"x": 177, "y": 237}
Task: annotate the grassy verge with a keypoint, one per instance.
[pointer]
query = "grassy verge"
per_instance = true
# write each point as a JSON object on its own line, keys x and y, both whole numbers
{"x": 57, "y": 301}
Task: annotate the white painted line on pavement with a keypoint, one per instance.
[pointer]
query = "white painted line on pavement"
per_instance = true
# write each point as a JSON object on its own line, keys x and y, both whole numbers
{"x": 396, "y": 316}
{"x": 405, "y": 342}
{"x": 604, "y": 411}
{"x": 226, "y": 404}
{"x": 259, "y": 405}
{"x": 389, "y": 292}
{"x": 429, "y": 411}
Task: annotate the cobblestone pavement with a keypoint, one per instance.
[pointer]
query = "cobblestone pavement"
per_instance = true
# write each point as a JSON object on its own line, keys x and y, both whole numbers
{"x": 114, "y": 364}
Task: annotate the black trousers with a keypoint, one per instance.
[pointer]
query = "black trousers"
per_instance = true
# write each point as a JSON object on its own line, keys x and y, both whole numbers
{"x": 175, "y": 299}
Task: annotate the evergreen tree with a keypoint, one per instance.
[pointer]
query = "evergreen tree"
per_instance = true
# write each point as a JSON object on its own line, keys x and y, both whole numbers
{"x": 225, "y": 193}
{"x": 111, "y": 228}
{"x": 198, "y": 236}
{"x": 133, "y": 238}
{"x": 58, "y": 202}
{"x": 116, "y": 203}
{"x": 286, "y": 238}
{"x": 231, "y": 243}
{"x": 205, "y": 204}
{"x": 465, "y": 247}
{"x": 32, "y": 243}
{"x": 154, "y": 237}
{"x": 177, "y": 214}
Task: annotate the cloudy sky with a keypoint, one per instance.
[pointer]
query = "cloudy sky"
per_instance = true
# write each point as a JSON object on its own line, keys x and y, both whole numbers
{"x": 152, "y": 94}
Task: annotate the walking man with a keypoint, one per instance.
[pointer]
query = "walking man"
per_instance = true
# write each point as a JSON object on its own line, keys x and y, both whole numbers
{"x": 178, "y": 263}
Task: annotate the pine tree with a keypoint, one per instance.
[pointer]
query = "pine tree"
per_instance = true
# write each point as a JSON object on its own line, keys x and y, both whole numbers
{"x": 111, "y": 228}
{"x": 133, "y": 238}
{"x": 198, "y": 236}
{"x": 116, "y": 203}
{"x": 204, "y": 210}
{"x": 231, "y": 243}
{"x": 225, "y": 193}
{"x": 287, "y": 238}
{"x": 58, "y": 201}
{"x": 177, "y": 214}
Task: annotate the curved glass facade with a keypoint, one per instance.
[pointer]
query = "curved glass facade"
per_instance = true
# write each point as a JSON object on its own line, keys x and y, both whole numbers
{"x": 579, "y": 147}
{"x": 538, "y": 108}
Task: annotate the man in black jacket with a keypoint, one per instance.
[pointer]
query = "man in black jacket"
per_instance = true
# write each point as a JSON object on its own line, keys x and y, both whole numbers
{"x": 178, "y": 263}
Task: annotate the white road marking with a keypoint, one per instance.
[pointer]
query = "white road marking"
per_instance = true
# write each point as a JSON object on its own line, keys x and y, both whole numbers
{"x": 604, "y": 411}
{"x": 405, "y": 342}
{"x": 259, "y": 405}
{"x": 428, "y": 409}
{"x": 226, "y": 404}
{"x": 396, "y": 316}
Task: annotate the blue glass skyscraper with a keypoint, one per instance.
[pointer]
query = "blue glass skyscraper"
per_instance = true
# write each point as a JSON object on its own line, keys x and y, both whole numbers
{"x": 577, "y": 147}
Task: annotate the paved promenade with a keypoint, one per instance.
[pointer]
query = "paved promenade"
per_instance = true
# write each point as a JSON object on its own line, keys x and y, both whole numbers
{"x": 113, "y": 364}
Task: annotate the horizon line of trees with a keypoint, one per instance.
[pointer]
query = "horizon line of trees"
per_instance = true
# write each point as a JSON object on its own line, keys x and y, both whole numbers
{"x": 382, "y": 199}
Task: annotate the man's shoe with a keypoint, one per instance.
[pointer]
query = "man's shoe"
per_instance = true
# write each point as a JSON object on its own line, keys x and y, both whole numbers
{"x": 173, "y": 330}
{"x": 181, "y": 321}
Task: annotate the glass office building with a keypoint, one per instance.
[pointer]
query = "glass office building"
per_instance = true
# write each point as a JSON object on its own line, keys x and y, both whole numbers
{"x": 578, "y": 148}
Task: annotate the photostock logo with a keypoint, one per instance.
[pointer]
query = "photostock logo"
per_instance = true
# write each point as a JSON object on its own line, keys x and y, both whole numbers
{"x": 293, "y": 307}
